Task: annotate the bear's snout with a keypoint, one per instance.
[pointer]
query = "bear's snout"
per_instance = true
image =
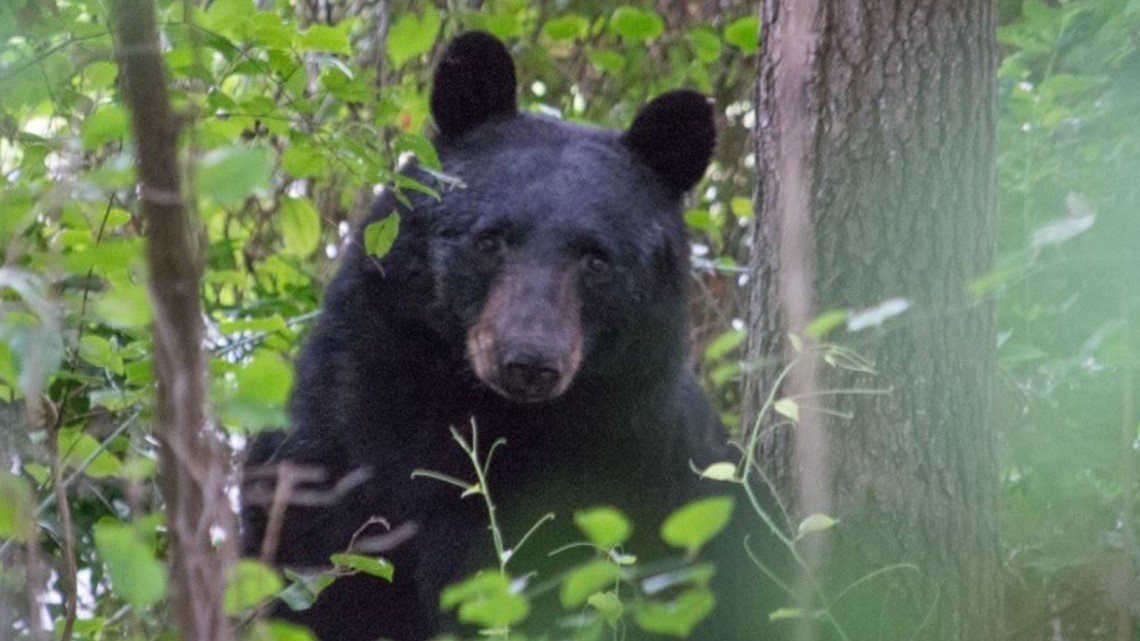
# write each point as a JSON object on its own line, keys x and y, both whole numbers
{"x": 527, "y": 343}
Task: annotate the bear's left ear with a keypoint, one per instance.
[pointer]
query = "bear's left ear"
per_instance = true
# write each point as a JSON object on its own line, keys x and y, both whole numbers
{"x": 674, "y": 134}
{"x": 474, "y": 81}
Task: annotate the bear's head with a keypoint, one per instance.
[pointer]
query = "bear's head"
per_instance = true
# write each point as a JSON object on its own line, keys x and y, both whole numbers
{"x": 562, "y": 254}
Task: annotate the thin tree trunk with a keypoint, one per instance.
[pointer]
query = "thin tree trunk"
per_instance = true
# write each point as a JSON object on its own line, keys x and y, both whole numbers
{"x": 192, "y": 469}
{"x": 876, "y": 154}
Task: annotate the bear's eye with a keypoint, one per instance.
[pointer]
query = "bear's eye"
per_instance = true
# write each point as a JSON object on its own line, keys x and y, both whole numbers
{"x": 596, "y": 262}
{"x": 488, "y": 242}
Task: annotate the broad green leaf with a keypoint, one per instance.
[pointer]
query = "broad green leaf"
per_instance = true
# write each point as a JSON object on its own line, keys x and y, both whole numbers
{"x": 722, "y": 471}
{"x": 586, "y": 580}
{"x": 278, "y": 630}
{"x": 380, "y": 235}
{"x": 604, "y": 527}
{"x": 127, "y": 306}
{"x": 326, "y": 38}
{"x": 250, "y": 583}
{"x": 1060, "y": 231}
{"x": 412, "y": 36}
{"x": 265, "y": 378}
{"x": 304, "y": 589}
{"x": 302, "y": 159}
{"x": 485, "y": 600}
{"x": 787, "y": 407}
{"x": 136, "y": 575}
{"x": 877, "y": 315}
{"x": 605, "y": 60}
{"x": 608, "y": 605}
{"x": 693, "y": 525}
{"x": 705, "y": 44}
{"x": 231, "y": 174}
{"x": 821, "y": 325}
{"x": 375, "y": 566}
{"x": 300, "y": 227}
{"x": 267, "y": 30}
{"x": 741, "y": 207}
{"x": 568, "y": 27}
{"x": 227, "y": 16}
{"x": 677, "y": 617}
{"x": 109, "y": 122}
{"x": 636, "y": 24}
{"x": 75, "y": 448}
{"x": 725, "y": 343}
{"x": 421, "y": 147}
{"x": 99, "y": 352}
{"x": 744, "y": 34}
{"x": 17, "y": 505}
{"x": 816, "y": 523}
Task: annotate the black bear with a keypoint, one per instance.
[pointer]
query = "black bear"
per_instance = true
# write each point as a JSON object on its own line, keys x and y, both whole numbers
{"x": 542, "y": 296}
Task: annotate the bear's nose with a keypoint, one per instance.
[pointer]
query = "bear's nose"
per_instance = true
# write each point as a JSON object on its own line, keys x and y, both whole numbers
{"x": 527, "y": 375}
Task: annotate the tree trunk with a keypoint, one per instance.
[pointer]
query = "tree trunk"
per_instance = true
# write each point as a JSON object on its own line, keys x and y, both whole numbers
{"x": 193, "y": 471}
{"x": 875, "y": 140}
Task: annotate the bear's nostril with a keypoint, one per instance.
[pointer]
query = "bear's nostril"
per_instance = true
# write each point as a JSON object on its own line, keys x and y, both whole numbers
{"x": 528, "y": 380}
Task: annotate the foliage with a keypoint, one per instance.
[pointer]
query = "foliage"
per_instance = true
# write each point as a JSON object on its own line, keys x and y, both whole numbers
{"x": 291, "y": 115}
{"x": 1069, "y": 156}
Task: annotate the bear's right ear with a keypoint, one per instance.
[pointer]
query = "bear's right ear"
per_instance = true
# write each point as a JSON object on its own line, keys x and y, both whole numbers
{"x": 475, "y": 81}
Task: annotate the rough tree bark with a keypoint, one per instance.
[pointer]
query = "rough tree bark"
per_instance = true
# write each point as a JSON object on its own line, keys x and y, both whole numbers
{"x": 193, "y": 471}
{"x": 875, "y": 143}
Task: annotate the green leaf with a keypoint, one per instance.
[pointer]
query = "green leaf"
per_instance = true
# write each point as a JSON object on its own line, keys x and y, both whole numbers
{"x": 485, "y": 600}
{"x": 785, "y": 613}
{"x": 380, "y": 235}
{"x": 744, "y": 34}
{"x": 421, "y": 147}
{"x": 300, "y": 227}
{"x": 568, "y": 27}
{"x": 110, "y": 122}
{"x": 741, "y": 207}
{"x": 604, "y": 527}
{"x": 75, "y": 448}
{"x": 725, "y": 343}
{"x": 722, "y": 471}
{"x": 705, "y": 44}
{"x": 787, "y": 407}
{"x": 677, "y": 617}
{"x": 411, "y": 36}
{"x": 278, "y": 630}
{"x": 136, "y": 575}
{"x": 250, "y": 583}
{"x": 258, "y": 399}
{"x": 608, "y": 606}
{"x": 301, "y": 160}
{"x": 127, "y": 306}
{"x": 877, "y": 315}
{"x": 693, "y": 525}
{"x": 17, "y": 505}
{"x": 816, "y": 523}
{"x": 605, "y": 60}
{"x": 99, "y": 352}
{"x": 227, "y": 16}
{"x": 231, "y": 174}
{"x": 821, "y": 325}
{"x": 636, "y": 24}
{"x": 304, "y": 589}
{"x": 326, "y": 38}
{"x": 586, "y": 580}
{"x": 375, "y": 566}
